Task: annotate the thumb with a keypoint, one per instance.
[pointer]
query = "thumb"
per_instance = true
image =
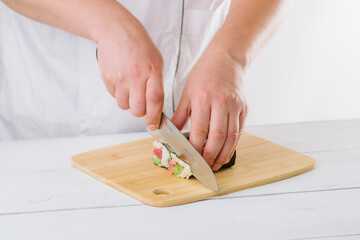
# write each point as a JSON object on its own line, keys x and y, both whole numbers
{"x": 154, "y": 102}
{"x": 182, "y": 114}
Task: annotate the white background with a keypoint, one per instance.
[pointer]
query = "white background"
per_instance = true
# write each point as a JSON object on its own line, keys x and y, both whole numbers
{"x": 310, "y": 70}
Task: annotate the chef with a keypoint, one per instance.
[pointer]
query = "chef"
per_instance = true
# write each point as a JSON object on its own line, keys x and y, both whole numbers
{"x": 187, "y": 58}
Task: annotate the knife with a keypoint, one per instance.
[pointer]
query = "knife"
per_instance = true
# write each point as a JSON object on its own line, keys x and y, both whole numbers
{"x": 199, "y": 167}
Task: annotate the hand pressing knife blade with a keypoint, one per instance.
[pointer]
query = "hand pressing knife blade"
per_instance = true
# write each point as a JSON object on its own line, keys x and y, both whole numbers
{"x": 199, "y": 167}
{"x": 172, "y": 136}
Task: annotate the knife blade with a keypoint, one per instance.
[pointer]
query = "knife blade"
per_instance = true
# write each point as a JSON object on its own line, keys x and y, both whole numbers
{"x": 199, "y": 167}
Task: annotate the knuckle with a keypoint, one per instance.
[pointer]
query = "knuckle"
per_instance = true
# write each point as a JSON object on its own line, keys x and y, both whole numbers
{"x": 135, "y": 72}
{"x": 155, "y": 65}
{"x": 246, "y": 109}
{"x": 200, "y": 130}
{"x": 203, "y": 97}
{"x": 121, "y": 80}
{"x": 222, "y": 97}
{"x": 155, "y": 97}
{"x": 106, "y": 77}
{"x": 237, "y": 101}
{"x": 219, "y": 135}
{"x": 233, "y": 136}
{"x": 209, "y": 156}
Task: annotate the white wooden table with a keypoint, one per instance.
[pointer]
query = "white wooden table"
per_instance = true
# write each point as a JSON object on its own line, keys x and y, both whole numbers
{"x": 43, "y": 197}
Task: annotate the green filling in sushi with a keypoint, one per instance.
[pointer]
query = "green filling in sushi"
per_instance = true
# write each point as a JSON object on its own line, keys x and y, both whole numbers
{"x": 178, "y": 169}
{"x": 157, "y": 161}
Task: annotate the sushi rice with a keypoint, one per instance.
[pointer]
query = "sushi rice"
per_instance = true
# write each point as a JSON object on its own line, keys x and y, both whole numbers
{"x": 164, "y": 156}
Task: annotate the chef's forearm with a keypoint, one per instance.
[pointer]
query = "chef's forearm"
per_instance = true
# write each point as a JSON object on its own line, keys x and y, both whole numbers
{"x": 248, "y": 27}
{"x": 86, "y": 18}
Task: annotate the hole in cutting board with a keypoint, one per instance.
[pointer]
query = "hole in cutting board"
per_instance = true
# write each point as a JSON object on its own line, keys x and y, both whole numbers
{"x": 161, "y": 192}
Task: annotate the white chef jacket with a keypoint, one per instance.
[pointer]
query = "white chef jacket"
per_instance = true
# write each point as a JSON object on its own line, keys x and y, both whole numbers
{"x": 50, "y": 84}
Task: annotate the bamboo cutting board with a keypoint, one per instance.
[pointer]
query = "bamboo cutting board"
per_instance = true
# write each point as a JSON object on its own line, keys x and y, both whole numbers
{"x": 129, "y": 168}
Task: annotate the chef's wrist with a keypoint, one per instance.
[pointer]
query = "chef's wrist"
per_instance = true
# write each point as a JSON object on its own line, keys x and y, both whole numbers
{"x": 239, "y": 55}
{"x": 111, "y": 22}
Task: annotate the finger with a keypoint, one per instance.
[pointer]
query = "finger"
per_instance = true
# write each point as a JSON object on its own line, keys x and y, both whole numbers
{"x": 181, "y": 115}
{"x": 217, "y": 134}
{"x": 111, "y": 89}
{"x": 154, "y": 101}
{"x": 137, "y": 99}
{"x": 242, "y": 119}
{"x": 122, "y": 97}
{"x": 230, "y": 142}
{"x": 200, "y": 117}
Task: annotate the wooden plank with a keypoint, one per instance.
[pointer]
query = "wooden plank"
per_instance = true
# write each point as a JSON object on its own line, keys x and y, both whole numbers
{"x": 55, "y": 190}
{"x": 50, "y": 154}
{"x": 354, "y": 236}
{"x": 31, "y": 191}
{"x": 53, "y": 154}
{"x": 312, "y": 136}
{"x": 304, "y": 215}
{"x": 128, "y": 167}
{"x": 56, "y": 153}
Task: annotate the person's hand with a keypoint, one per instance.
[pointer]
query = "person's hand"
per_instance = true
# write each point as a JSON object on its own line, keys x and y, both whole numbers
{"x": 131, "y": 68}
{"x": 214, "y": 96}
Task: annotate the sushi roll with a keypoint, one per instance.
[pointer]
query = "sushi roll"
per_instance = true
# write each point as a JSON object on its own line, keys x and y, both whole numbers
{"x": 164, "y": 156}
